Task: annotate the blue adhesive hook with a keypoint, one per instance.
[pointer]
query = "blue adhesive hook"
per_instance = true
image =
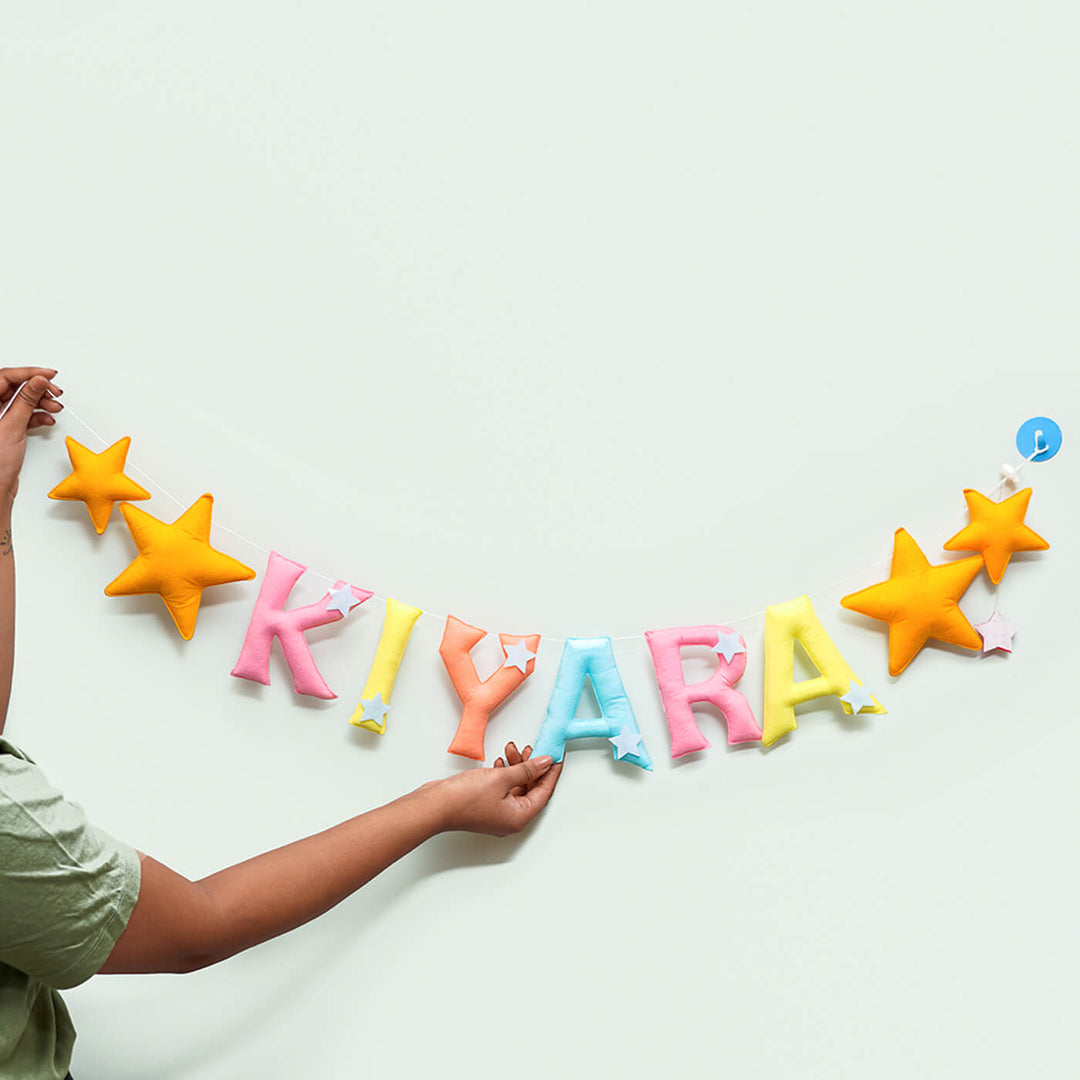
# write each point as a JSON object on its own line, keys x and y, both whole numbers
{"x": 1038, "y": 439}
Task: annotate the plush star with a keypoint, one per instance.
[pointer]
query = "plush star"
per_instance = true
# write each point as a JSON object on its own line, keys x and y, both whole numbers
{"x": 98, "y": 480}
{"x": 343, "y": 599}
{"x": 858, "y": 697}
{"x": 996, "y": 633}
{"x": 518, "y": 655}
{"x": 997, "y": 530}
{"x": 375, "y": 709}
{"x": 919, "y": 601}
{"x": 727, "y": 646}
{"x": 176, "y": 561}
{"x": 625, "y": 743}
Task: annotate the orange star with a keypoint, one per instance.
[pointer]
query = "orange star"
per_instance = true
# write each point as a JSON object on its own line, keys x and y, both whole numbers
{"x": 997, "y": 530}
{"x": 919, "y": 601}
{"x": 176, "y": 561}
{"x": 98, "y": 480}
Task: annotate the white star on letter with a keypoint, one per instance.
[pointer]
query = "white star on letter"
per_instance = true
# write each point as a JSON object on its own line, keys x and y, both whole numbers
{"x": 626, "y": 743}
{"x": 374, "y": 709}
{"x": 518, "y": 655}
{"x": 341, "y": 599}
{"x": 727, "y": 646}
{"x": 858, "y": 697}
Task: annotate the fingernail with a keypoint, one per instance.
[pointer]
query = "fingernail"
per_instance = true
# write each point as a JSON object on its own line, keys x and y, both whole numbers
{"x": 543, "y": 762}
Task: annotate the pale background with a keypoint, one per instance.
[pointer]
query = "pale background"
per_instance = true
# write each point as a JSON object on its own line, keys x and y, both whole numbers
{"x": 581, "y": 318}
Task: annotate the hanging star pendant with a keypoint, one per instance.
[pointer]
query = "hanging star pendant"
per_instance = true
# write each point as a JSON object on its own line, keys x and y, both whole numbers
{"x": 919, "y": 602}
{"x": 98, "y": 480}
{"x": 996, "y": 633}
{"x": 997, "y": 529}
{"x": 518, "y": 655}
{"x": 176, "y": 561}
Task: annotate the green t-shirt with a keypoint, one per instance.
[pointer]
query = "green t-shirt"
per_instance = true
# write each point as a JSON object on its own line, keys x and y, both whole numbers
{"x": 66, "y": 893}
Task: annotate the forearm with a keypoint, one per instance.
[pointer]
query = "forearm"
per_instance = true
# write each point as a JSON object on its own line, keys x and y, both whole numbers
{"x": 7, "y": 609}
{"x": 179, "y": 925}
{"x": 285, "y": 888}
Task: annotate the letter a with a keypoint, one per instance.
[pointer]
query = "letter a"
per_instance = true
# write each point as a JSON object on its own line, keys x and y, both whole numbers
{"x": 784, "y": 625}
{"x": 593, "y": 659}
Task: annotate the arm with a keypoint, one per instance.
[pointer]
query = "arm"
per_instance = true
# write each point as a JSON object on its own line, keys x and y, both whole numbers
{"x": 25, "y": 410}
{"x": 180, "y": 925}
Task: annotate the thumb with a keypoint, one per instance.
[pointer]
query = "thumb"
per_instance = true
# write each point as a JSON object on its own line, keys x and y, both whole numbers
{"x": 26, "y": 400}
{"x": 526, "y": 773}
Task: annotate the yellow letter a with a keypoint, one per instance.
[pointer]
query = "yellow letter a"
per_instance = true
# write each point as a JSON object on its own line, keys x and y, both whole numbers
{"x": 784, "y": 625}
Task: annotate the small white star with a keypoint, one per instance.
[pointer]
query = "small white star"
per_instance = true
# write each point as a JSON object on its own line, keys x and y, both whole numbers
{"x": 342, "y": 599}
{"x": 858, "y": 697}
{"x": 626, "y": 743}
{"x": 374, "y": 709}
{"x": 518, "y": 655}
{"x": 727, "y": 646}
{"x": 997, "y": 633}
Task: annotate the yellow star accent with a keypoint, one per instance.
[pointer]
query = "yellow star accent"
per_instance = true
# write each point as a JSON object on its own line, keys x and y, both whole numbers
{"x": 997, "y": 530}
{"x": 176, "y": 561}
{"x": 98, "y": 480}
{"x": 919, "y": 601}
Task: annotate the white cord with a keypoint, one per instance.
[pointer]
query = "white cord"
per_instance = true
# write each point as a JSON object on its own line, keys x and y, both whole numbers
{"x": 555, "y": 641}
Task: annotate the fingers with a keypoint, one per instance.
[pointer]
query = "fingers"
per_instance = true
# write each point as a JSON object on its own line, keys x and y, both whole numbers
{"x": 526, "y": 773}
{"x": 22, "y": 407}
{"x": 16, "y": 376}
{"x": 536, "y": 798}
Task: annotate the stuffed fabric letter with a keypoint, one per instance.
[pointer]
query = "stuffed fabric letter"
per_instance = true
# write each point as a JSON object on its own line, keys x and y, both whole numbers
{"x": 784, "y": 625}
{"x": 479, "y": 699}
{"x": 374, "y": 704}
{"x": 718, "y": 689}
{"x": 593, "y": 659}
{"x": 270, "y": 620}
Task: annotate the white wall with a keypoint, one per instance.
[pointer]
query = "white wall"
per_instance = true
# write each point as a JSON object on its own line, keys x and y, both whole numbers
{"x": 582, "y": 319}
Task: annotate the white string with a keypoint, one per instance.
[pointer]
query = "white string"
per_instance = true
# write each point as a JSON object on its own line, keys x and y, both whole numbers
{"x": 1010, "y": 474}
{"x": 865, "y": 572}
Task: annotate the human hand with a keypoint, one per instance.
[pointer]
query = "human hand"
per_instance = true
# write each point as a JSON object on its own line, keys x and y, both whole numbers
{"x": 497, "y": 801}
{"x": 24, "y": 408}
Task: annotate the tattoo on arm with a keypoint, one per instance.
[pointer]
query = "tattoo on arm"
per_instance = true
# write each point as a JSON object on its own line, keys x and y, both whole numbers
{"x": 6, "y": 547}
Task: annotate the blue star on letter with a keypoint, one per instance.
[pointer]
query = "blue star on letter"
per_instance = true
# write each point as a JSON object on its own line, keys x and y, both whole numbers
{"x": 727, "y": 646}
{"x": 858, "y": 697}
{"x": 342, "y": 599}
{"x": 374, "y": 709}
{"x": 518, "y": 655}
{"x": 626, "y": 742}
